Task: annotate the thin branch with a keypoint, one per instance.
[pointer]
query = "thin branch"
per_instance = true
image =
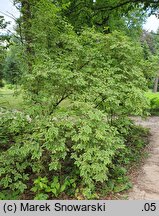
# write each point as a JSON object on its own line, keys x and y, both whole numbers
{"x": 11, "y": 15}
{"x": 20, "y": 32}
{"x": 15, "y": 19}
{"x": 117, "y": 6}
{"x": 108, "y": 7}
{"x": 72, "y": 10}
{"x": 103, "y": 99}
{"x": 83, "y": 65}
{"x": 13, "y": 34}
{"x": 63, "y": 98}
{"x": 8, "y": 15}
{"x": 154, "y": 33}
{"x": 123, "y": 4}
{"x": 58, "y": 102}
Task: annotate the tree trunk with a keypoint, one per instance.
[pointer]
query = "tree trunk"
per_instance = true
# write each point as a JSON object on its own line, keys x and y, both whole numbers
{"x": 155, "y": 88}
{"x": 27, "y": 25}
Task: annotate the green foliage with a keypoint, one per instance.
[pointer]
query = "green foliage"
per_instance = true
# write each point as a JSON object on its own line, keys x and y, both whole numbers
{"x": 8, "y": 195}
{"x": 119, "y": 181}
{"x": 12, "y": 69}
{"x": 104, "y": 70}
{"x": 54, "y": 188}
{"x": 4, "y": 39}
{"x": 135, "y": 140}
{"x": 46, "y": 145}
{"x": 51, "y": 149}
{"x": 154, "y": 102}
{"x": 2, "y": 58}
{"x": 105, "y": 16}
{"x": 74, "y": 150}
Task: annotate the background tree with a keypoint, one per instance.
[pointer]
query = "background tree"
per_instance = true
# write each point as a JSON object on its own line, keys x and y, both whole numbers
{"x": 13, "y": 63}
{"x": 4, "y": 39}
{"x": 105, "y": 14}
{"x": 150, "y": 43}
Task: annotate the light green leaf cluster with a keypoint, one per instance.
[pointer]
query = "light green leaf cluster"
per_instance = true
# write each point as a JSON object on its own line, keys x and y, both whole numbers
{"x": 80, "y": 136}
{"x": 104, "y": 70}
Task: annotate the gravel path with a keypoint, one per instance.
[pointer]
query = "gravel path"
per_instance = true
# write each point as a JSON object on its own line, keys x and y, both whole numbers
{"x": 147, "y": 184}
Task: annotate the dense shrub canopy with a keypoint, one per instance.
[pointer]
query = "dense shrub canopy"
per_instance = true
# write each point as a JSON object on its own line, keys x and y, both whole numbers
{"x": 104, "y": 70}
{"x": 80, "y": 86}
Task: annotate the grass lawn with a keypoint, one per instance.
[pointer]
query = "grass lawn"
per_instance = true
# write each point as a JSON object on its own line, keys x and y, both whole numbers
{"x": 10, "y": 101}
